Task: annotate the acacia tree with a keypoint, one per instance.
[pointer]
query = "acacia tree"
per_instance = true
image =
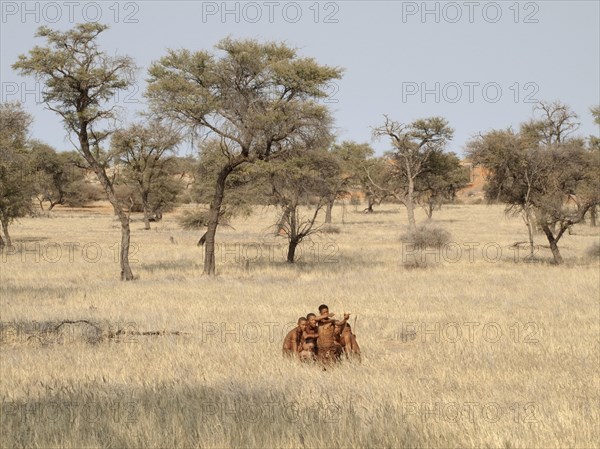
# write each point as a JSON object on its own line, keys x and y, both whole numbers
{"x": 258, "y": 99}
{"x": 353, "y": 159}
{"x": 306, "y": 180}
{"x": 57, "y": 176}
{"x": 16, "y": 180}
{"x": 413, "y": 145}
{"x": 442, "y": 178}
{"x": 81, "y": 80}
{"x": 541, "y": 172}
{"x": 556, "y": 122}
{"x": 594, "y": 145}
{"x": 241, "y": 189}
{"x": 504, "y": 153}
{"x": 375, "y": 173}
{"x": 143, "y": 155}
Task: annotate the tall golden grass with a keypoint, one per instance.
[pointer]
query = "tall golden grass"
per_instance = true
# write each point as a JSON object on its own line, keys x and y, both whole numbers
{"x": 481, "y": 349}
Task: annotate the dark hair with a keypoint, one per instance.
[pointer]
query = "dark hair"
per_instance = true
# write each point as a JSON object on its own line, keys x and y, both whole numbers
{"x": 301, "y": 319}
{"x": 309, "y": 315}
{"x": 323, "y": 306}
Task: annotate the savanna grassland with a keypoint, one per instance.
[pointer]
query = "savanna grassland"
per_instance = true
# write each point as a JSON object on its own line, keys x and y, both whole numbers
{"x": 482, "y": 349}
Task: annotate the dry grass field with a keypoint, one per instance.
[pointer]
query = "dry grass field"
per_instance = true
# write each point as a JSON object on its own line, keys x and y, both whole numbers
{"x": 482, "y": 349}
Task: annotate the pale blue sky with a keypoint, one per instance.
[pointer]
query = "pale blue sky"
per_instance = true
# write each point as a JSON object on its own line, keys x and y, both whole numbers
{"x": 390, "y": 52}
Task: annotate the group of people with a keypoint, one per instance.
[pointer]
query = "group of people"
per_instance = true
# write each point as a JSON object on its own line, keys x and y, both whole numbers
{"x": 321, "y": 338}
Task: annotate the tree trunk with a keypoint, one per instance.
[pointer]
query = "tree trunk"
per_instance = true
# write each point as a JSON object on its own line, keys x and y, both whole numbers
{"x": 430, "y": 207}
{"x": 531, "y": 244}
{"x": 555, "y": 252}
{"x": 209, "y": 249}
{"x": 126, "y": 273}
{"x": 282, "y": 221}
{"x": 292, "y": 251}
{"x": 410, "y": 207}
{"x": 328, "y": 211}
{"x": 146, "y": 211}
{"x": 594, "y": 216}
{"x": 6, "y": 234}
{"x": 213, "y": 221}
{"x": 530, "y": 232}
{"x": 370, "y": 203}
{"x": 553, "y": 244}
{"x": 146, "y": 218}
{"x": 2, "y": 245}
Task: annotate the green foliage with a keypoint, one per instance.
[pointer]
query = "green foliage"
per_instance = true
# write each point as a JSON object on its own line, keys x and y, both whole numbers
{"x": 413, "y": 146}
{"x": 258, "y": 98}
{"x": 308, "y": 178}
{"x": 541, "y": 171}
{"x": 146, "y": 167}
{"x": 16, "y": 175}
{"x": 441, "y": 178}
{"x": 242, "y": 189}
{"x": 355, "y": 161}
{"x": 192, "y": 220}
{"x": 80, "y": 82}
{"x": 58, "y": 176}
{"x": 79, "y": 79}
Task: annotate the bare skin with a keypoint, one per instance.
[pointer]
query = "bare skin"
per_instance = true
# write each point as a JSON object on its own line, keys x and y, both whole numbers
{"x": 292, "y": 342}
{"x": 328, "y": 349}
{"x": 347, "y": 340}
{"x": 306, "y": 350}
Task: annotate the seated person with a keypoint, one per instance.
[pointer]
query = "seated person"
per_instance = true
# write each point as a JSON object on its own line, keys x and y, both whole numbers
{"x": 291, "y": 342}
{"x": 328, "y": 349}
{"x": 310, "y": 335}
{"x": 347, "y": 340}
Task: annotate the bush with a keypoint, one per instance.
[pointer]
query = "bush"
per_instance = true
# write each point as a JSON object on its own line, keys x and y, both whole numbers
{"x": 193, "y": 219}
{"x": 427, "y": 236}
{"x": 593, "y": 251}
{"x": 186, "y": 197}
{"x": 415, "y": 263}
{"x": 81, "y": 193}
{"x": 331, "y": 229}
{"x": 355, "y": 200}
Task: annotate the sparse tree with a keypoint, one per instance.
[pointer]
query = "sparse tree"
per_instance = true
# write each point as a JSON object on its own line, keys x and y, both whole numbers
{"x": 554, "y": 124}
{"x": 594, "y": 145}
{"x": 442, "y": 178}
{"x": 80, "y": 83}
{"x": 306, "y": 180}
{"x": 376, "y": 171}
{"x": 143, "y": 154}
{"x": 241, "y": 190}
{"x": 514, "y": 173}
{"x": 258, "y": 99}
{"x": 413, "y": 145}
{"x": 57, "y": 175}
{"x": 16, "y": 180}
{"x": 548, "y": 176}
{"x": 353, "y": 159}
